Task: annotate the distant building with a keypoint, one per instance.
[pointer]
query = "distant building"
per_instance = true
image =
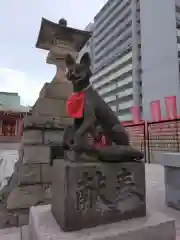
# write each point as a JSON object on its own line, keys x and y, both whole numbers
{"x": 135, "y": 54}
{"x": 112, "y": 57}
{"x": 116, "y": 50}
{"x": 11, "y": 115}
{"x": 9, "y": 99}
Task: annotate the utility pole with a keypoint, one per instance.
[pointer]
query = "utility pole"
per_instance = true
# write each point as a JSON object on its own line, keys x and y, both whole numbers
{"x": 117, "y": 103}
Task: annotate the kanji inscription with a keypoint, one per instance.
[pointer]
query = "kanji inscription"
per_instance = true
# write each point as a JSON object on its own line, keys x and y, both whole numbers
{"x": 91, "y": 190}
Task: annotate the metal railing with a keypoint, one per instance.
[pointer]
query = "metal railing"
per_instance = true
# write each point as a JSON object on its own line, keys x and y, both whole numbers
{"x": 137, "y": 133}
{"x": 163, "y": 136}
{"x": 154, "y": 137}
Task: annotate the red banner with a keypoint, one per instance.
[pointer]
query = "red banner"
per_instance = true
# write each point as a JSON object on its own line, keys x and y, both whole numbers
{"x": 171, "y": 107}
{"x": 155, "y": 107}
{"x": 135, "y": 111}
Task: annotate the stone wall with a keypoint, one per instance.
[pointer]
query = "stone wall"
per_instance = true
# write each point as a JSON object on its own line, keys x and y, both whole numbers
{"x": 30, "y": 184}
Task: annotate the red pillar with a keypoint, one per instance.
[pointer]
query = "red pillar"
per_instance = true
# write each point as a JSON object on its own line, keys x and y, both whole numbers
{"x": 155, "y": 107}
{"x": 171, "y": 107}
{"x": 20, "y": 127}
{"x": 1, "y": 123}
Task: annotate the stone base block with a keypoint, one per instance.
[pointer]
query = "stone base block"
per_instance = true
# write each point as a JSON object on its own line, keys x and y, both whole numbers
{"x": 23, "y": 218}
{"x": 42, "y": 225}
{"x": 49, "y": 107}
{"x": 46, "y": 122}
{"x": 29, "y": 174}
{"x": 8, "y": 219}
{"x": 46, "y": 174}
{"x": 90, "y": 194}
{"x": 53, "y": 136}
{"x": 36, "y": 154}
{"x": 171, "y": 163}
{"x": 32, "y": 137}
{"x": 56, "y": 90}
{"x": 25, "y": 197}
{"x": 34, "y": 174}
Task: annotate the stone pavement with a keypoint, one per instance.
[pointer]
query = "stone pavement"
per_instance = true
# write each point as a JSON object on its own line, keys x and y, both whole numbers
{"x": 9, "y": 145}
{"x": 14, "y": 234}
{"x": 156, "y": 194}
{"x": 155, "y": 202}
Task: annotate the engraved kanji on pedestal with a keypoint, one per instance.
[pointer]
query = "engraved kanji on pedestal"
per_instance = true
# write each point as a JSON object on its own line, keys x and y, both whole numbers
{"x": 89, "y": 194}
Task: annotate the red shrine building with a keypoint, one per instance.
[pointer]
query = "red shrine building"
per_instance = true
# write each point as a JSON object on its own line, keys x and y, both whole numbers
{"x": 11, "y": 115}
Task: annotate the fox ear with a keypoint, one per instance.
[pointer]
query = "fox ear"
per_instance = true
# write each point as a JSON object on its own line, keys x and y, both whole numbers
{"x": 69, "y": 61}
{"x": 86, "y": 60}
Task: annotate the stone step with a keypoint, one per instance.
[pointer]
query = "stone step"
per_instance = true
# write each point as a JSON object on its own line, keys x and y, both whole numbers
{"x": 15, "y": 233}
{"x": 25, "y": 233}
{"x": 155, "y": 226}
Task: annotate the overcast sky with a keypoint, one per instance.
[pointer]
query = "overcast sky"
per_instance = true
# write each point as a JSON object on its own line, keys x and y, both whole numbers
{"x": 22, "y": 66}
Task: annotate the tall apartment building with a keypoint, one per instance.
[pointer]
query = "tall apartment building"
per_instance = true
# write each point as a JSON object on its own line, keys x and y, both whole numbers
{"x": 117, "y": 55}
{"x": 136, "y": 50}
{"x": 160, "y": 30}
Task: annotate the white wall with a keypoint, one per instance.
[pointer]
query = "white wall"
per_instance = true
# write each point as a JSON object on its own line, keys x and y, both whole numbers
{"x": 160, "y": 69}
{"x": 8, "y": 158}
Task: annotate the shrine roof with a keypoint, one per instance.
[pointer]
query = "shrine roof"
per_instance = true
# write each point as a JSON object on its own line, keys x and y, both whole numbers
{"x": 49, "y": 31}
{"x": 18, "y": 109}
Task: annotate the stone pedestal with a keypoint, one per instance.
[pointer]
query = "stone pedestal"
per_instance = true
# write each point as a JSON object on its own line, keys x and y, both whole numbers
{"x": 43, "y": 130}
{"x": 171, "y": 163}
{"x": 90, "y": 194}
{"x": 42, "y": 226}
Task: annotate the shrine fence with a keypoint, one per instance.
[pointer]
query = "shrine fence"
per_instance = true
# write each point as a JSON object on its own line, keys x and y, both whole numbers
{"x": 154, "y": 137}
{"x": 137, "y": 134}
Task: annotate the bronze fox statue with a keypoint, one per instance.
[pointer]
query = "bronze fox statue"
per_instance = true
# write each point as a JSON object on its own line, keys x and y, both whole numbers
{"x": 94, "y": 108}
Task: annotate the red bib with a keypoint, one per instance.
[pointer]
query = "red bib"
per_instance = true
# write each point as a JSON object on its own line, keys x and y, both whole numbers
{"x": 101, "y": 143}
{"x": 75, "y": 105}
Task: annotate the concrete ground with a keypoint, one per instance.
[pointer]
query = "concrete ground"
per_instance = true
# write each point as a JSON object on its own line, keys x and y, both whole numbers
{"x": 11, "y": 146}
{"x": 8, "y": 158}
{"x": 155, "y": 202}
{"x": 156, "y": 194}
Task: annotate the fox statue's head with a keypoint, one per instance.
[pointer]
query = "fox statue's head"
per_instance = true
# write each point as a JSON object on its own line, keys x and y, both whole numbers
{"x": 79, "y": 73}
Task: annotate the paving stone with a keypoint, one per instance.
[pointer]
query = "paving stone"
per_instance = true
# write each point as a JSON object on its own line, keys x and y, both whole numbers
{"x": 32, "y": 137}
{"x": 25, "y": 197}
{"x": 36, "y": 154}
{"x": 153, "y": 227}
{"x": 10, "y": 234}
{"x": 53, "y": 136}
